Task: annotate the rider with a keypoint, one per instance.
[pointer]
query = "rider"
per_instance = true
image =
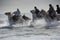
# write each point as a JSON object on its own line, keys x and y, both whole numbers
{"x": 51, "y": 11}
{"x": 37, "y": 11}
{"x": 58, "y": 9}
{"x": 16, "y": 15}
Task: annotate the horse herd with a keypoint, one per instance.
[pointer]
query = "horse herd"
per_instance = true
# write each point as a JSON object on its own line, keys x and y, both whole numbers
{"x": 16, "y": 16}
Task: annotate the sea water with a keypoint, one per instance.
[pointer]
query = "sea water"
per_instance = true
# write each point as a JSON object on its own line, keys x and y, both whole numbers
{"x": 37, "y": 32}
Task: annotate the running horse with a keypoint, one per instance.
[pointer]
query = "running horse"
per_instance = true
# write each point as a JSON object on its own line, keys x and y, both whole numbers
{"x": 13, "y": 18}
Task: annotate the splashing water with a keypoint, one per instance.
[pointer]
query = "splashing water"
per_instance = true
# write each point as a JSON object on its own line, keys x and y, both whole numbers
{"x": 39, "y": 22}
{"x": 3, "y": 20}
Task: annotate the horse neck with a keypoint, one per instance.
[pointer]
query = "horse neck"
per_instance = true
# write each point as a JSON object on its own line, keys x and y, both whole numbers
{"x": 9, "y": 17}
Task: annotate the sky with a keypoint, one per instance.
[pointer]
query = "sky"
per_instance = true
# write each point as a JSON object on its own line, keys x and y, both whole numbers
{"x": 26, "y": 5}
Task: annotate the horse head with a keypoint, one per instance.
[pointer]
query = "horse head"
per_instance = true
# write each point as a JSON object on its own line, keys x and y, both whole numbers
{"x": 8, "y": 13}
{"x": 32, "y": 11}
{"x": 33, "y": 14}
